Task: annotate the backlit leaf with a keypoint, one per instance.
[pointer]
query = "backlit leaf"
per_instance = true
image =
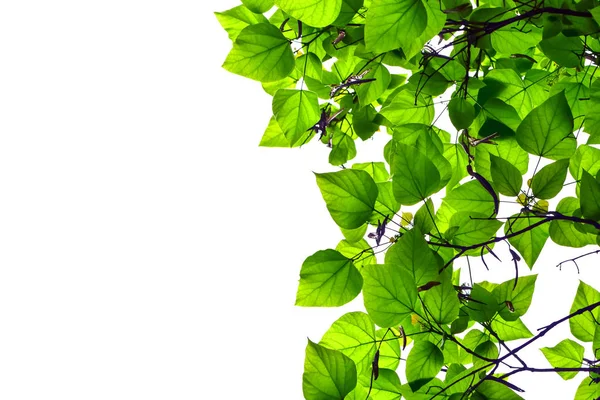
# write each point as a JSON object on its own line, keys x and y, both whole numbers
{"x": 328, "y": 374}
{"x": 328, "y": 279}
{"x": 350, "y": 196}
{"x": 262, "y": 53}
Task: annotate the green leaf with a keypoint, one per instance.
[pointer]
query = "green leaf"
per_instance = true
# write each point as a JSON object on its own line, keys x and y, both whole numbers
{"x": 348, "y": 11}
{"x": 371, "y": 91}
{"x": 510, "y": 330}
{"x": 415, "y": 177}
{"x": 389, "y": 351}
{"x": 424, "y": 217}
{"x": 461, "y": 113}
{"x": 547, "y": 130}
{"x": 403, "y": 110}
{"x": 510, "y": 88}
{"x": 317, "y": 13}
{"x": 596, "y": 14}
{"x": 296, "y": 111}
{"x": 412, "y": 253}
{"x": 529, "y": 243}
{"x": 502, "y": 112}
{"x": 566, "y": 354}
{"x": 354, "y": 335}
{"x": 492, "y": 390}
{"x": 506, "y": 177}
{"x": 583, "y": 326}
{"x": 350, "y": 196}
{"x": 548, "y": 181}
{"x": 363, "y": 122}
{"x": 328, "y": 374}
{"x": 428, "y": 141}
{"x": 507, "y": 149}
{"x": 328, "y": 279}
{"x": 343, "y": 147}
{"x": 258, "y": 6}
{"x": 458, "y": 162}
{"x": 354, "y": 235}
{"x": 389, "y": 294}
{"x": 391, "y": 24}
{"x": 569, "y": 233}
{"x": 386, "y": 203}
{"x": 474, "y": 338}
{"x": 274, "y": 137}
{"x": 360, "y": 252}
{"x": 487, "y": 349}
{"x": 473, "y": 228}
{"x": 442, "y": 302}
{"x": 435, "y": 22}
{"x": 423, "y": 364}
{"x": 590, "y": 196}
{"x": 587, "y": 390}
{"x": 484, "y": 306}
{"x": 592, "y": 119}
{"x": 377, "y": 170}
{"x": 262, "y": 53}
{"x": 237, "y": 18}
{"x": 515, "y": 38}
{"x": 585, "y": 158}
{"x": 471, "y": 197}
{"x": 386, "y": 387}
{"x": 563, "y": 50}
{"x": 519, "y": 296}
{"x": 309, "y": 66}
{"x": 576, "y": 92}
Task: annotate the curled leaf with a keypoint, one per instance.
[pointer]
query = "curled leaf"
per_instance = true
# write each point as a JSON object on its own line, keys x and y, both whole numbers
{"x": 486, "y": 185}
{"x": 427, "y": 286}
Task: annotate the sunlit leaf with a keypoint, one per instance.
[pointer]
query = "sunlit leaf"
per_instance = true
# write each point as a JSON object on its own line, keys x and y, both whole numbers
{"x": 547, "y": 130}
{"x": 328, "y": 279}
{"x": 262, "y": 53}
{"x": 258, "y": 6}
{"x": 423, "y": 364}
{"x": 296, "y": 111}
{"x": 389, "y": 293}
{"x": 531, "y": 242}
{"x": 237, "y": 18}
{"x": 391, "y": 24}
{"x": 583, "y": 326}
{"x": 328, "y": 374}
{"x": 566, "y": 354}
{"x": 354, "y": 335}
{"x": 350, "y": 196}
{"x": 317, "y": 13}
{"x": 548, "y": 181}
{"x": 506, "y": 177}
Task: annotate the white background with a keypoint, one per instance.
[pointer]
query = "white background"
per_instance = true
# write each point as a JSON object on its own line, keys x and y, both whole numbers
{"x": 148, "y": 248}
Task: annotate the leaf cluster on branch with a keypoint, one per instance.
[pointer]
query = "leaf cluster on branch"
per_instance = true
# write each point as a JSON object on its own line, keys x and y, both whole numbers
{"x": 517, "y": 80}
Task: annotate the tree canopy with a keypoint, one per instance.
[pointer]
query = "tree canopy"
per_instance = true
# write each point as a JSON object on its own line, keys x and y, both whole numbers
{"x": 517, "y": 81}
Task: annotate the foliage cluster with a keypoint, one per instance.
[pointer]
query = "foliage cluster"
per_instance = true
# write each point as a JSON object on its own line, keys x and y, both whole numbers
{"x": 517, "y": 79}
